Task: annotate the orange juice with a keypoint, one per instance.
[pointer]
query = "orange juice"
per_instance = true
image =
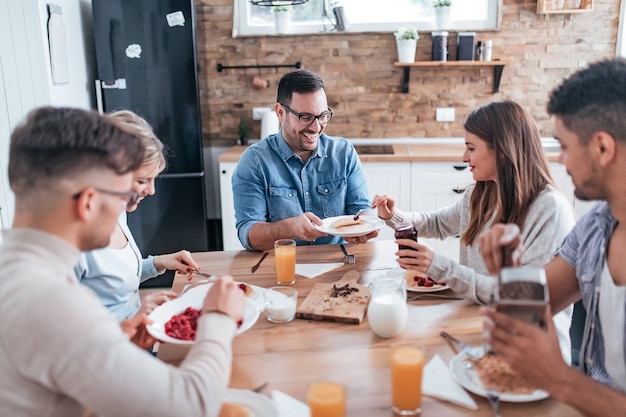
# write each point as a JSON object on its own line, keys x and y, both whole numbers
{"x": 327, "y": 399}
{"x": 407, "y": 364}
{"x": 285, "y": 253}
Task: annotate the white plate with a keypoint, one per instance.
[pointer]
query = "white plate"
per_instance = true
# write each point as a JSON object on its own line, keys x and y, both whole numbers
{"x": 371, "y": 223}
{"x": 415, "y": 288}
{"x": 192, "y": 298}
{"x": 466, "y": 375}
{"x": 260, "y": 405}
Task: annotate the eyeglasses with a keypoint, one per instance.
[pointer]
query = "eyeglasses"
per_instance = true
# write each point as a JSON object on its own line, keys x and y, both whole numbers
{"x": 129, "y": 196}
{"x": 306, "y": 119}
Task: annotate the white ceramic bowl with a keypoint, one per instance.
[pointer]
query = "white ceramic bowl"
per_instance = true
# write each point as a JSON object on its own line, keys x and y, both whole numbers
{"x": 192, "y": 298}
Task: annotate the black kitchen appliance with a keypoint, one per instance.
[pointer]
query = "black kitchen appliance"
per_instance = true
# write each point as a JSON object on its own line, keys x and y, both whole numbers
{"x": 146, "y": 62}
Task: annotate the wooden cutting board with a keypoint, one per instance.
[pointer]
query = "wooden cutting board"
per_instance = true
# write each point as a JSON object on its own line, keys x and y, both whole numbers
{"x": 343, "y": 301}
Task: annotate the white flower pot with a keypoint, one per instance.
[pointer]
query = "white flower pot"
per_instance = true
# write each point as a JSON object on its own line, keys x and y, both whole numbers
{"x": 281, "y": 21}
{"x": 442, "y": 17}
{"x": 406, "y": 50}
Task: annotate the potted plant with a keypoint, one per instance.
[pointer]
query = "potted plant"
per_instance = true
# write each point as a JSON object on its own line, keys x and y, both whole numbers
{"x": 406, "y": 41}
{"x": 442, "y": 13}
{"x": 282, "y": 17}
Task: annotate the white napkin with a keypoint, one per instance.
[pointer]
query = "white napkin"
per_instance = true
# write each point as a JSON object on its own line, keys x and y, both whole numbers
{"x": 313, "y": 270}
{"x": 288, "y": 406}
{"x": 439, "y": 383}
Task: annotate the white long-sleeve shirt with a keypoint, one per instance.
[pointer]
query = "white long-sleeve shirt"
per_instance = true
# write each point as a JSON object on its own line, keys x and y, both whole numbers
{"x": 62, "y": 352}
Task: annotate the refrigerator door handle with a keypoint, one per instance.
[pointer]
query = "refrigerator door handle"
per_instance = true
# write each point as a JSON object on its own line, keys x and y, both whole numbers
{"x": 182, "y": 175}
{"x": 99, "y": 103}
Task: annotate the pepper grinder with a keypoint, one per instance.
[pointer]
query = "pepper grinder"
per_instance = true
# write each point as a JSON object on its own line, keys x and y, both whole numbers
{"x": 488, "y": 50}
{"x": 479, "y": 51}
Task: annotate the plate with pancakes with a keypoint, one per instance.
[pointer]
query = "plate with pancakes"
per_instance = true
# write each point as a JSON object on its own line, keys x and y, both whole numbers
{"x": 346, "y": 226}
{"x": 245, "y": 403}
{"x": 416, "y": 282}
{"x": 510, "y": 387}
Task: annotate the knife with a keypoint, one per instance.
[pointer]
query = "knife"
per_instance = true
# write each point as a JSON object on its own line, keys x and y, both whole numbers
{"x": 258, "y": 264}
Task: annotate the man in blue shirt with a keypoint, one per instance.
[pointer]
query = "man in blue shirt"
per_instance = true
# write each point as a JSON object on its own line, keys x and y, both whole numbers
{"x": 589, "y": 109}
{"x": 288, "y": 182}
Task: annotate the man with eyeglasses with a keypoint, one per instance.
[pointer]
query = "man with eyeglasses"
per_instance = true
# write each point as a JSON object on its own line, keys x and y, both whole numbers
{"x": 61, "y": 352}
{"x": 284, "y": 185}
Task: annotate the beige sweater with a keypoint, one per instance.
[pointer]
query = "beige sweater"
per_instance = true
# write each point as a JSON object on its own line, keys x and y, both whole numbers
{"x": 62, "y": 353}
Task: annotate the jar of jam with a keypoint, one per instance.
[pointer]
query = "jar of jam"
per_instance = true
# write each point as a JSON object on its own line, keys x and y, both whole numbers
{"x": 406, "y": 231}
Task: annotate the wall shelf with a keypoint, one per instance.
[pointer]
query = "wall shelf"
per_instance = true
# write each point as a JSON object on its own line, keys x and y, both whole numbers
{"x": 498, "y": 67}
{"x": 552, "y": 6}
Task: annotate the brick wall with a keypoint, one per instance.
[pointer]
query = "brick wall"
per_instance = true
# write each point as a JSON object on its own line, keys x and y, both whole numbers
{"x": 364, "y": 88}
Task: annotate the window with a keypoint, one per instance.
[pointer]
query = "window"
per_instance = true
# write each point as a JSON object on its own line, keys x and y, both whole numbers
{"x": 317, "y": 16}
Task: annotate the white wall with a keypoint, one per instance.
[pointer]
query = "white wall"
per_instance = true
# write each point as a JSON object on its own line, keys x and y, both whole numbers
{"x": 25, "y": 75}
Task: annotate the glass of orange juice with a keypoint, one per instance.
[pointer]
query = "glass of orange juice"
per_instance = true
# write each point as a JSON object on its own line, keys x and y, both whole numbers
{"x": 285, "y": 253}
{"x": 407, "y": 365}
{"x": 326, "y": 399}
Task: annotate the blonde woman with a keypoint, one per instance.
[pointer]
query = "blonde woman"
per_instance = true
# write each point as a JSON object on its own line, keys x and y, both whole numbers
{"x": 513, "y": 185}
{"x": 115, "y": 272}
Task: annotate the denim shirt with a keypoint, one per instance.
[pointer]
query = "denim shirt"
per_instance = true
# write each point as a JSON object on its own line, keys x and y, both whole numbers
{"x": 272, "y": 183}
{"x": 585, "y": 250}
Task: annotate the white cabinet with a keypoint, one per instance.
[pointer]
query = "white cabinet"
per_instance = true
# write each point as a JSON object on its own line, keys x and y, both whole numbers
{"x": 393, "y": 179}
{"x": 229, "y": 230}
{"x": 564, "y": 183}
{"x": 435, "y": 185}
{"x": 562, "y": 180}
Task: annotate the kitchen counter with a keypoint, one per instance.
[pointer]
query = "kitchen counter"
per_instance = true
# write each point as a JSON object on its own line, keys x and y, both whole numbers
{"x": 404, "y": 150}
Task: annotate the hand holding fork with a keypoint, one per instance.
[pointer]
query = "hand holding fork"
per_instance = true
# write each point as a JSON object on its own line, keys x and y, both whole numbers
{"x": 475, "y": 353}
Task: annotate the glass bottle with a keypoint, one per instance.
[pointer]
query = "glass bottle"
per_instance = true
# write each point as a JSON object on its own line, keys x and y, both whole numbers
{"x": 406, "y": 231}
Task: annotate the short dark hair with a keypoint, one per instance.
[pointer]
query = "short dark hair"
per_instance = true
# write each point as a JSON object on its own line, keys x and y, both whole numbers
{"x": 58, "y": 143}
{"x": 593, "y": 99}
{"x": 298, "y": 81}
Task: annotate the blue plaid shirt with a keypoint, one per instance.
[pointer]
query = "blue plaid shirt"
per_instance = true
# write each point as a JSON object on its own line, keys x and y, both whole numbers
{"x": 272, "y": 183}
{"x": 585, "y": 250}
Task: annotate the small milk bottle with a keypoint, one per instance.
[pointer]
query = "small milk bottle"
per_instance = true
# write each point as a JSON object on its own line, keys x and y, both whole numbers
{"x": 387, "y": 312}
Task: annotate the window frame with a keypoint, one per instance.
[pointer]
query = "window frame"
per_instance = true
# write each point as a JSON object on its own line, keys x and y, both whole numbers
{"x": 241, "y": 27}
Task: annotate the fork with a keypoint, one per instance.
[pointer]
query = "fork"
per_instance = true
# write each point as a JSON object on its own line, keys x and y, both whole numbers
{"x": 361, "y": 211}
{"x": 473, "y": 352}
{"x": 350, "y": 258}
{"x": 418, "y": 296}
{"x": 494, "y": 400}
{"x": 201, "y": 281}
{"x": 202, "y": 274}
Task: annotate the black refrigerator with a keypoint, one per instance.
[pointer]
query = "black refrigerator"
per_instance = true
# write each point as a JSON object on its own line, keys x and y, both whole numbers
{"x": 146, "y": 62}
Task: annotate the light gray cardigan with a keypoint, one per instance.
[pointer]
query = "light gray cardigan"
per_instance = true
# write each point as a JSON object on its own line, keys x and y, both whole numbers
{"x": 549, "y": 219}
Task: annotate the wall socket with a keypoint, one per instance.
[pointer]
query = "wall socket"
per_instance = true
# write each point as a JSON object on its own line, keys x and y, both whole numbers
{"x": 445, "y": 114}
{"x": 257, "y": 112}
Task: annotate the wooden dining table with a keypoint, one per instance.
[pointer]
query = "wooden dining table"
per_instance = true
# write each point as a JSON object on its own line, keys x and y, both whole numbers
{"x": 292, "y": 355}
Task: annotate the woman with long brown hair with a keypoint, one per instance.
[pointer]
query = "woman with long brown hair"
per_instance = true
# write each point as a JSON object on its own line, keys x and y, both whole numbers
{"x": 512, "y": 185}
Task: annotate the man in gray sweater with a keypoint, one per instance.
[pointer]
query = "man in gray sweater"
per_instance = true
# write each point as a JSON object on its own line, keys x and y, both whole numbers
{"x": 61, "y": 352}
